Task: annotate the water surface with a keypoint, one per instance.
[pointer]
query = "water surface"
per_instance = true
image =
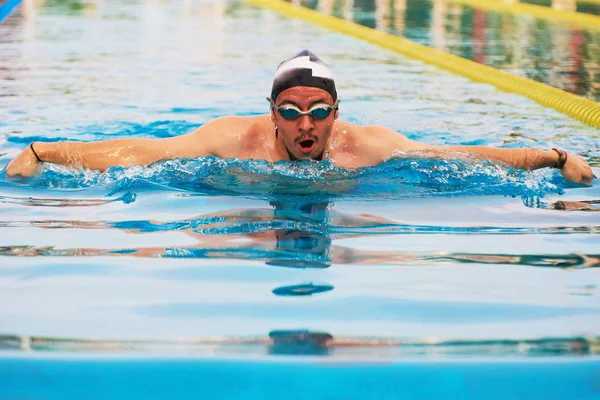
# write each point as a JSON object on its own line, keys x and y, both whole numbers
{"x": 413, "y": 250}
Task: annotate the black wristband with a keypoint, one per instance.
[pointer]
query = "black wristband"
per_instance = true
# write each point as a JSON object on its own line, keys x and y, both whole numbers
{"x": 562, "y": 158}
{"x": 34, "y": 153}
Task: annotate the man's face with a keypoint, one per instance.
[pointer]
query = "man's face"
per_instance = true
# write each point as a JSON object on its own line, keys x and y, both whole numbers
{"x": 306, "y": 136}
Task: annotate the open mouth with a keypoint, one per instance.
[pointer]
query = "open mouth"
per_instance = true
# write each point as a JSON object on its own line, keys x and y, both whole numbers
{"x": 307, "y": 145}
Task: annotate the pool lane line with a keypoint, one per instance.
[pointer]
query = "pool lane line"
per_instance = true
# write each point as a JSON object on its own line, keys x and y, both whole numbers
{"x": 584, "y": 110}
{"x": 7, "y": 8}
{"x": 582, "y": 20}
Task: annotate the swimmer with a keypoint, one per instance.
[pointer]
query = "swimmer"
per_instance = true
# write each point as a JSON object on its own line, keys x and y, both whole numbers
{"x": 302, "y": 124}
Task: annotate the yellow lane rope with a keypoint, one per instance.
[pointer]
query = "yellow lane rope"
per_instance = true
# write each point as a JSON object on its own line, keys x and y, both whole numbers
{"x": 582, "y": 20}
{"x": 577, "y": 107}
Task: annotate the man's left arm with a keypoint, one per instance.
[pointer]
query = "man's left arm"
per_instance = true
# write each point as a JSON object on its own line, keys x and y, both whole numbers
{"x": 572, "y": 166}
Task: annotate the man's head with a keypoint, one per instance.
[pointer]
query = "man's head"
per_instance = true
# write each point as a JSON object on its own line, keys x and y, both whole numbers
{"x": 304, "y": 105}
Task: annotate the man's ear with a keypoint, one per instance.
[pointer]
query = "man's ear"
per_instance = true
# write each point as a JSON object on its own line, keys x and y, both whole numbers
{"x": 336, "y": 114}
{"x": 273, "y": 118}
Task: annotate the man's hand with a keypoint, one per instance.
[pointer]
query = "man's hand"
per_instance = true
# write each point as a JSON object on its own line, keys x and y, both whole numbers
{"x": 577, "y": 170}
{"x": 25, "y": 164}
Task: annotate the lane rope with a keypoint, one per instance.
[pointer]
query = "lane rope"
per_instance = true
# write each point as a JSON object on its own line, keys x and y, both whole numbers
{"x": 584, "y": 110}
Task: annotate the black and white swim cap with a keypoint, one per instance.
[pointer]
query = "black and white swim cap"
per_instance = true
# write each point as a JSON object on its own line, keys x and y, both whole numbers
{"x": 304, "y": 69}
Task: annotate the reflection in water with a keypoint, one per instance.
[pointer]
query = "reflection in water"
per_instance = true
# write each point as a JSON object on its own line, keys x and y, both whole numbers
{"x": 564, "y": 5}
{"x": 397, "y": 17}
{"x": 301, "y": 234}
{"x": 586, "y": 205}
{"x": 365, "y": 13}
{"x": 588, "y": 7}
{"x": 438, "y": 22}
{"x": 59, "y": 202}
{"x": 553, "y": 53}
{"x": 306, "y": 342}
{"x": 339, "y": 255}
{"x": 307, "y": 289}
{"x": 301, "y": 342}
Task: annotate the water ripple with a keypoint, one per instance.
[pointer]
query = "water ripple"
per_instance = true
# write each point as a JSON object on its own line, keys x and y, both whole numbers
{"x": 303, "y": 258}
{"x": 396, "y": 179}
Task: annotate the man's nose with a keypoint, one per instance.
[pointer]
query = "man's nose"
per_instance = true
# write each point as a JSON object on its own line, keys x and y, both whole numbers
{"x": 305, "y": 123}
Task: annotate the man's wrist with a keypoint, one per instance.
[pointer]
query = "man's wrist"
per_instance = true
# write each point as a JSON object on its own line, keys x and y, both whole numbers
{"x": 35, "y": 153}
{"x": 43, "y": 151}
{"x": 560, "y": 157}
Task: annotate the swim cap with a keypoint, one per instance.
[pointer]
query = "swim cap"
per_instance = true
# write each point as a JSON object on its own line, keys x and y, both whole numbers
{"x": 304, "y": 69}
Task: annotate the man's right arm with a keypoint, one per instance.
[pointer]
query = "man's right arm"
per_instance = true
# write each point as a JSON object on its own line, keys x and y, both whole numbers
{"x": 118, "y": 152}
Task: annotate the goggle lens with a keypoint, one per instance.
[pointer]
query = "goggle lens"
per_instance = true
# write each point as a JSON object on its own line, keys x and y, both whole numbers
{"x": 321, "y": 112}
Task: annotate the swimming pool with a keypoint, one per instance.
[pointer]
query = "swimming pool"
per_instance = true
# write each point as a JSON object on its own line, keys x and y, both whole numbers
{"x": 280, "y": 278}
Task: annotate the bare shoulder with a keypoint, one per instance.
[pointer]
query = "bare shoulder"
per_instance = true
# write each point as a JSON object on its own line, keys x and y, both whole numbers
{"x": 224, "y": 136}
{"x": 372, "y": 133}
{"x": 357, "y": 145}
{"x": 229, "y": 125}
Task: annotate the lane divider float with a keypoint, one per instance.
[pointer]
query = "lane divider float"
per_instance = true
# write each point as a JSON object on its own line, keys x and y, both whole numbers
{"x": 584, "y": 110}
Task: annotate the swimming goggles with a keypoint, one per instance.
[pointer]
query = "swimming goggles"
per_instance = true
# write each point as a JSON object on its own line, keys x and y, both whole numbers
{"x": 290, "y": 112}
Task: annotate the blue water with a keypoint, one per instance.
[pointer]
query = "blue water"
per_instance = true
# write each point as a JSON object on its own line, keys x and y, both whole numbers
{"x": 257, "y": 280}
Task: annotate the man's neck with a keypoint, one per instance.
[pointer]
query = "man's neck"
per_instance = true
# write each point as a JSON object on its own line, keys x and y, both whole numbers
{"x": 293, "y": 158}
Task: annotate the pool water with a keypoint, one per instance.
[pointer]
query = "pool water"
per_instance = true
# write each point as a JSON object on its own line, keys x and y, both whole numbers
{"x": 581, "y": 6}
{"x": 553, "y": 52}
{"x": 285, "y": 277}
